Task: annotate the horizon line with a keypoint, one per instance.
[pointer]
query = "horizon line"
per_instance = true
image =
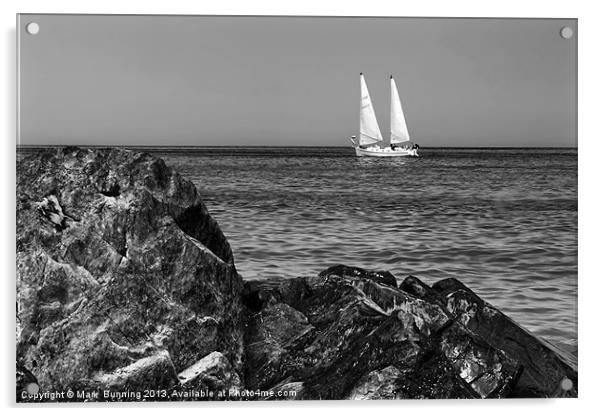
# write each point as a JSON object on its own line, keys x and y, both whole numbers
{"x": 32, "y": 146}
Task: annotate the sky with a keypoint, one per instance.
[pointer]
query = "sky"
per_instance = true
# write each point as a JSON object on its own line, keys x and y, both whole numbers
{"x": 293, "y": 81}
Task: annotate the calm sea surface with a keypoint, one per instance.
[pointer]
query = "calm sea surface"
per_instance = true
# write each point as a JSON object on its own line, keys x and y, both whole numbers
{"x": 504, "y": 222}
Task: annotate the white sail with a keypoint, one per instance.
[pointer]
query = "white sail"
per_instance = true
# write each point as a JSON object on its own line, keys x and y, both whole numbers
{"x": 369, "y": 131}
{"x": 399, "y": 129}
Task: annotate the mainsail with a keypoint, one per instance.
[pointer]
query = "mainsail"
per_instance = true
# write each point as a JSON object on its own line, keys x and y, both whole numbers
{"x": 399, "y": 129}
{"x": 369, "y": 131}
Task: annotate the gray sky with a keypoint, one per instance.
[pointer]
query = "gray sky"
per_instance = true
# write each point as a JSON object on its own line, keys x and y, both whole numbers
{"x": 202, "y": 80}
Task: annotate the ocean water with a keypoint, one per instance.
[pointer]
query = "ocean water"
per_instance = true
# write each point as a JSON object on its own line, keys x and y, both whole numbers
{"x": 503, "y": 221}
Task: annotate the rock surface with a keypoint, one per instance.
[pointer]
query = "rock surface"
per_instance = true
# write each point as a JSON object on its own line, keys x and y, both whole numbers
{"x": 118, "y": 263}
{"x": 349, "y": 333}
{"x": 382, "y": 384}
{"x": 213, "y": 372}
{"x": 537, "y": 356}
{"x": 156, "y": 370}
{"x": 348, "y": 326}
{"x": 125, "y": 282}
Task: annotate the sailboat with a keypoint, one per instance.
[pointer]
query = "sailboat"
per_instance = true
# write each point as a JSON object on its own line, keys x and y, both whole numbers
{"x": 370, "y": 138}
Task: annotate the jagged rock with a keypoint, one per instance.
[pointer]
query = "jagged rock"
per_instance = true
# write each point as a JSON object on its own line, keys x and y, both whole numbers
{"x": 485, "y": 368}
{"x": 213, "y": 372}
{"x": 118, "y": 260}
{"x": 379, "y": 385}
{"x": 51, "y": 209}
{"x": 272, "y": 332}
{"x": 153, "y": 373}
{"x": 361, "y": 325}
{"x": 340, "y": 270}
{"x": 418, "y": 288}
{"x": 547, "y": 371}
{"x": 257, "y": 293}
{"x": 286, "y": 391}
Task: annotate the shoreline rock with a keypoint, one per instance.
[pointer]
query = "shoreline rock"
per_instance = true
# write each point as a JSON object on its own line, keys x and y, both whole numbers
{"x": 360, "y": 326}
{"x": 536, "y": 355}
{"x": 415, "y": 341}
{"x": 118, "y": 260}
{"x": 125, "y": 281}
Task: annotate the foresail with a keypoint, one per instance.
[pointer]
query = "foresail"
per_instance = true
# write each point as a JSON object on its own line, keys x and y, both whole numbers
{"x": 399, "y": 129}
{"x": 369, "y": 131}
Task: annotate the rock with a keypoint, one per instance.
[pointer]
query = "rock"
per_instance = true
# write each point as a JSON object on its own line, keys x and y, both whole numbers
{"x": 118, "y": 263}
{"x": 272, "y": 334}
{"x": 257, "y": 293}
{"x": 379, "y": 385}
{"x": 356, "y": 327}
{"x": 213, "y": 372}
{"x": 382, "y": 277}
{"x": 286, "y": 391}
{"x": 546, "y": 369}
{"x": 51, "y": 209}
{"x": 416, "y": 287}
{"x": 149, "y": 373}
{"x": 27, "y": 384}
{"x": 487, "y": 370}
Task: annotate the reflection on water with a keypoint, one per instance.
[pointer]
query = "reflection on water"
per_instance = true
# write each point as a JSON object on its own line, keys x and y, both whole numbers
{"x": 504, "y": 222}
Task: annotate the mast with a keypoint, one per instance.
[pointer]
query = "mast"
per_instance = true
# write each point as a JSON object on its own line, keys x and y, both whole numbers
{"x": 399, "y": 128}
{"x": 369, "y": 130}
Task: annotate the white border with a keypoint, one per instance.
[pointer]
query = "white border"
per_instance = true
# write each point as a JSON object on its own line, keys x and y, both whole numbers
{"x": 590, "y": 137}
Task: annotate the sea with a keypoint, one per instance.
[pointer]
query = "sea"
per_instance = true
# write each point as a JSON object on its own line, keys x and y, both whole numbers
{"x": 501, "y": 220}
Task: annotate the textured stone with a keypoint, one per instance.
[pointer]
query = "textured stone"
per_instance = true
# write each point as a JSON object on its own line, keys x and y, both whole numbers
{"x": 379, "y": 385}
{"x": 359, "y": 326}
{"x": 118, "y": 260}
{"x": 340, "y": 270}
{"x": 545, "y": 367}
{"x": 153, "y": 372}
{"x": 271, "y": 334}
{"x": 212, "y": 372}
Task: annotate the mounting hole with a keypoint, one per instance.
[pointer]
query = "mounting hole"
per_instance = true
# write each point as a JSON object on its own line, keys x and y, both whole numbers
{"x": 566, "y": 384}
{"x": 566, "y": 32}
{"x": 32, "y": 388}
{"x": 32, "y": 28}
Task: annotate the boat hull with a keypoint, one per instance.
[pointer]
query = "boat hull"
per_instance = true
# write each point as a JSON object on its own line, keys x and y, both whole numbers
{"x": 386, "y": 152}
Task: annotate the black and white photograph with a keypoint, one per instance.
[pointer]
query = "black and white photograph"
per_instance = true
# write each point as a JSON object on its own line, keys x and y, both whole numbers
{"x": 276, "y": 208}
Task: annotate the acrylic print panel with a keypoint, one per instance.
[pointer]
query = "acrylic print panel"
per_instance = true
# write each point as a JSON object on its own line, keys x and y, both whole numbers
{"x": 223, "y": 208}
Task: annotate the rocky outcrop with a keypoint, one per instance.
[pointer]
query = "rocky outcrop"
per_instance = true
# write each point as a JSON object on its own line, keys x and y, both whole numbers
{"x": 126, "y": 283}
{"x": 347, "y": 325}
{"x": 352, "y": 333}
{"x": 547, "y": 371}
{"x": 123, "y": 278}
